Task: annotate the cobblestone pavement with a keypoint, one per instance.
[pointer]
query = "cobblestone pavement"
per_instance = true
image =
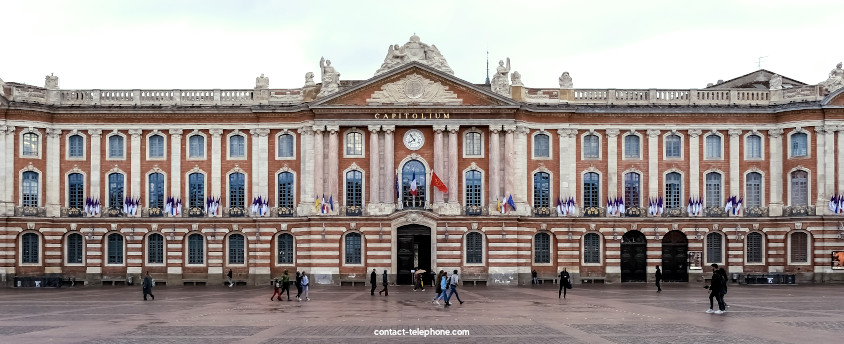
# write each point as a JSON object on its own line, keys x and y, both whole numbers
{"x": 617, "y": 313}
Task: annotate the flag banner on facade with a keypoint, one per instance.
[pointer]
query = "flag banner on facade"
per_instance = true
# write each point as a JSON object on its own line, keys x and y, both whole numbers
{"x": 836, "y": 204}
{"x": 737, "y": 206}
{"x": 436, "y": 182}
{"x": 655, "y": 206}
{"x": 331, "y": 202}
{"x": 695, "y": 206}
{"x": 511, "y": 203}
{"x": 729, "y": 205}
{"x": 413, "y": 190}
{"x": 212, "y": 205}
{"x": 560, "y": 210}
{"x": 92, "y": 206}
{"x": 317, "y": 203}
{"x": 324, "y": 206}
{"x": 498, "y": 206}
{"x": 131, "y": 206}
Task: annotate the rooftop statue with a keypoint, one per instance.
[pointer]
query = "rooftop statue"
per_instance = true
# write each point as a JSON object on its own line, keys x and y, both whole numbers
{"x": 309, "y": 79}
{"x": 51, "y": 82}
{"x": 516, "y": 79}
{"x": 330, "y": 78}
{"x": 262, "y": 82}
{"x": 500, "y": 83}
{"x": 835, "y": 80}
{"x": 776, "y": 82}
{"x": 565, "y": 81}
{"x": 414, "y": 50}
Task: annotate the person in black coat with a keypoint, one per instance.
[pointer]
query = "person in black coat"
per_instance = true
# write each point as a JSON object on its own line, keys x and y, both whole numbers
{"x": 147, "y": 286}
{"x": 715, "y": 287}
{"x": 723, "y": 274}
{"x": 298, "y": 286}
{"x": 565, "y": 283}
{"x": 373, "y": 281}
{"x": 384, "y": 282}
{"x": 658, "y": 278}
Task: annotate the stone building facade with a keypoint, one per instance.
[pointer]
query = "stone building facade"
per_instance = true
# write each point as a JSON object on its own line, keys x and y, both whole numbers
{"x": 337, "y": 178}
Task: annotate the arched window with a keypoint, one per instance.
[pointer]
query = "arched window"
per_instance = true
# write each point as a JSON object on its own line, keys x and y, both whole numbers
{"x": 673, "y": 146}
{"x": 237, "y": 191}
{"x": 196, "y": 249}
{"x": 156, "y": 146}
{"x": 29, "y": 192}
{"x": 30, "y": 144}
{"x": 753, "y": 189}
{"x": 413, "y": 184}
{"x": 541, "y": 147}
{"x": 541, "y": 190}
{"x": 196, "y": 144}
{"x": 713, "y": 147}
{"x": 354, "y": 143}
{"x": 29, "y": 248}
{"x": 156, "y": 190}
{"x": 155, "y": 249}
{"x": 76, "y": 191}
{"x": 74, "y": 248}
{"x": 237, "y": 146}
{"x": 799, "y": 188}
{"x": 713, "y": 190}
{"x": 285, "y": 248}
{"x": 754, "y": 147}
{"x": 115, "y": 248}
{"x": 591, "y": 149}
{"x": 474, "y": 248}
{"x": 76, "y": 146}
{"x": 196, "y": 190}
{"x": 591, "y": 248}
{"x": 631, "y": 147}
{"x": 285, "y": 194}
{"x": 754, "y": 247}
{"x": 799, "y": 247}
{"x": 353, "y": 248}
{"x": 236, "y": 249}
{"x": 591, "y": 190}
{"x": 115, "y": 191}
{"x": 473, "y": 144}
{"x": 714, "y": 248}
{"x": 542, "y": 248}
{"x": 115, "y": 146}
{"x": 285, "y": 146}
{"x": 799, "y": 144}
{"x": 632, "y": 194}
{"x": 473, "y": 192}
{"x": 673, "y": 189}
{"x": 354, "y": 193}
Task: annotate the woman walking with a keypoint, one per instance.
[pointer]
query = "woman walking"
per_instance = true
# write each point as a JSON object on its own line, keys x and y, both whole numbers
{"x": 441, "y": 287}
{"x": 276, "y": 289}
{"x": 305, "y": 284}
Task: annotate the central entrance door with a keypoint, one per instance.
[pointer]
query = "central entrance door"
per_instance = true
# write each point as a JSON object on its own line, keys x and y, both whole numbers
{"x": 634, "y": 251}
{"x": 675, "y": 248}
{"x": 413, "y": 250}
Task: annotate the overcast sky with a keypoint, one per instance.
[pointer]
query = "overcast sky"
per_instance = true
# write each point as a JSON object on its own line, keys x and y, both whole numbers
{"x": 603, "y": 44}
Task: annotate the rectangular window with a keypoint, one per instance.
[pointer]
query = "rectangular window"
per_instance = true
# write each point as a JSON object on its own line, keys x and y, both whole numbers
{"x": 77, "y": 148}
{"x": 353, "y": 248}
{"x": 713, "y": 248}
{"x": 156, "y": 146}
{"x": 799, "y": 247}
{"x": 541, "y": 146}
{"x": 799, "y": 144}
{"x": 631, "y": 147}
{"x": 542, "y": 248}
{"x": 672, "y": 190}
{"x": 754, "y": 147}
{"x": 354, "y": 144}
{"x": 197, "y": 146}
{"x": 754, "y": 248}
{"x": 155, "y": 249}
{"x": 713, "y": 190}
{"x": 673, "y": 147}
{"x": 115, "y": 146}
{"x": 74, "y": 249}
{"x": 713, "y": 147}
{"x": 591, "y": 147}
{"x": 285, "y": 146}
{"x": 30, "y": 144}
{"x": 753, "y": 190}
{"x": 236, "y": 249}
{"x": 473, "y": 144}
{"x": 591, "y": 248}
{"x": 591, "y": 190}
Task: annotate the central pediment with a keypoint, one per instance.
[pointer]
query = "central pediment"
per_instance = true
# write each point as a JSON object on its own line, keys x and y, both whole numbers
{"x": 415, "y": 84}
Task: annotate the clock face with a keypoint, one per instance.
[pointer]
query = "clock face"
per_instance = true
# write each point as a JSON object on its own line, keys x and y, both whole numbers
{"x": 413, "y": 139}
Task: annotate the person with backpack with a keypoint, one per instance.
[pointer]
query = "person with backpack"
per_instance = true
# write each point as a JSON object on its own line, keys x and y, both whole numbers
{"x": 285, "y": 285}
{"x": 658, "y": 277}
{"x": 441, "y": 281}
{"x": 453, "y": 282}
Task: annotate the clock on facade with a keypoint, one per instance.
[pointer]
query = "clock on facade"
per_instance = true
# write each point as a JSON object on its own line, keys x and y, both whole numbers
{"x": 413, "y": 139}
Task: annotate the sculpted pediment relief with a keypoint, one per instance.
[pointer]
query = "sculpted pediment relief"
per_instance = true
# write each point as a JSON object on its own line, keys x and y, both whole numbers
{"x": 414, "y": 88}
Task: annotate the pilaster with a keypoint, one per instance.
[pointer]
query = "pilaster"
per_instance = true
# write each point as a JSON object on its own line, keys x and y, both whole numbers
{"x": 612, "y": 162}
{"x": 453, "y": 165}
{"x": 520, "y": 184}
{"x": 653, "y": 162}
{"x": 568, "y": 162}
{"x": 135, "y": 163}
{"x": 7, "y": 174}
{"x": 829, "y": 162}
{"x": 840, "y": 159}
{"x": 260, "y": 168}
{"x": 494, "y": 192}
{"x": 319, "y": 161}
{"x": 176, "y": 164}
{"x": 735, "y": 172}
{"x": 216, "y": 164}
{"x": 389, "y": 193}
{"x": 820, "y": 172}
{"x": 439, "y": 163}
{"x": 775, "y": 203}
{"x": 694, "y": 162}
{"x": 374, "y": 169}
{"x": 333, "y": 163}
{"x": 306, "y": 171}
{"x": 53, "y": 189}
{"x": 509, "y": 187}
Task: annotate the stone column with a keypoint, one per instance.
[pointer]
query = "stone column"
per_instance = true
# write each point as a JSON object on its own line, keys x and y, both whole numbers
{"x": 840, "y": 159}
{"x": 520, "y": 157}
{"x": 96, "y": 140}
{"x": 135, "y": 169}
{"x": 260, "y": 155}
{"x": 439, "y": 164}
{"x": 508, "y": 161}
{"x": 453, "y": 173}
{"x": 568, "y": 162}
{"x": 333, "y": 163}
{"x": 319, "y": 156}
{"x": 374, "y": 167}
{"x": 821, "y": 206}
{"x": 176, "y": 164}
{"x": 612, "y": 163}
{"x": 653, "y": 163}
{"x": 53, "y": 189}
{"x": 216, "y": 167}
{"x": 775, "y": 204}
{"x": 389, "y": 193}
{"x": 494, "y": 166}
{"x": 829, "y": 162}
{"x": 306, "y": 171}
{"x": 7, "y": 174}
{"x": 694, "y": 162}
{"x": 735, "y": 172}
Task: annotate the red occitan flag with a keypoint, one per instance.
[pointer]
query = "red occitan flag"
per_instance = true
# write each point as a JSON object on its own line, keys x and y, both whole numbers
{"x": 436, "y": 182}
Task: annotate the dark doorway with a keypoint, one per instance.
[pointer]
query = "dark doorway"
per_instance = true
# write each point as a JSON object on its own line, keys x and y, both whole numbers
{"x": 675, "y": 248}
{"x": 413, "y": 251}
{"x": 634, "y": 252}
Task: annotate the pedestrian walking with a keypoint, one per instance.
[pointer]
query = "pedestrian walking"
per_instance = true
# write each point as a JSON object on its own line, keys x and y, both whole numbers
{"x": 230, "y": 278}
{"x": 373, "y": 280}
{"x": 305, "y": 284}
{"x": 418, "y": 278}
{"x": 715, "y": 286}
{"x": 276, "y": 289}
{"x": 565, "y": 283}
{"x": 658, "y": 278}
{"x": 534, "y": 277}
{"x": 384, "y": 282}
{"x": 453, "y": 282}
{"x": 298, "y": 286}
{"x": 441, "y": 281}
{"x": 285, "y": 285}
{"x": 723, "y": 274}
{"x": 147, "y": 286}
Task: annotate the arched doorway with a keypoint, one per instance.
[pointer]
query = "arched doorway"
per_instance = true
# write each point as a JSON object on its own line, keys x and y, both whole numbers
{"x": 413, "y": 250}
{"x": 675, "y": 248}
{"x": 634, "y": 252}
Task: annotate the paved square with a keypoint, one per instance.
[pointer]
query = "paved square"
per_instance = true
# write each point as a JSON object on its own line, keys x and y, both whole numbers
{"x": 626, "y": 313}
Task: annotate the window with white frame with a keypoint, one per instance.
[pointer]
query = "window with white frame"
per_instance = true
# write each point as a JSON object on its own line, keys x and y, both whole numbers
{"x": 196, "y": 146}
{"x": 632, "y": 193}
{"x": 30, "y": 248}
{"x": 541, "y": 190}
{"x": 754, "y": 247}
{"x": 591, "y": 190}
{"x": 115, "y": 248}
{"x": 714, "y": 248}
{"x": 713, "y": 190}
{"x": 29, "y": 189}
{"x": 156, "y": 146}
{"x": 75, "y": 243}
{"x": 591, "y": 147}
{"x": 474, "y": 186}
{"x": 713, "y": 146}
{"x": 30, "y": 145}
{"x": 237, "y": 146}
{"x": 799, "y": 247}
{"x": 673, "y": 190}
{"x": 285, "y": 146}
{"x": 799, "y": 188}
{"x": 353, "y": 248}
{"x": 75, "y": 146}
{"x": 76, "y": 191}
{"x": 236, "y": 248}
{"x": 799, "y": 145}
{"x": 285, "y": 248}
{"x": 542, "y": 248}
{"x": 156, "y": 190}
{"x": 632, "y": 149}
{"x": 474, "y": 248}
{"x": 285, "y": 193}
{"x": 753, "y": 147}
{"x": 237, "y": 191}
{"x": 354, "y": 143}
{"x": 196, "y": 249}
{"x": 592, "y": 248}
{"x": 473, "y": 146}
{"x": 115, "y": 191}
{"x": 155, "y": 249}
{"x": 541, "y": 146}
{"x": 753, "y": 189}
{"x": 673, "y": 146}
{"x": 115, "y": 147}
